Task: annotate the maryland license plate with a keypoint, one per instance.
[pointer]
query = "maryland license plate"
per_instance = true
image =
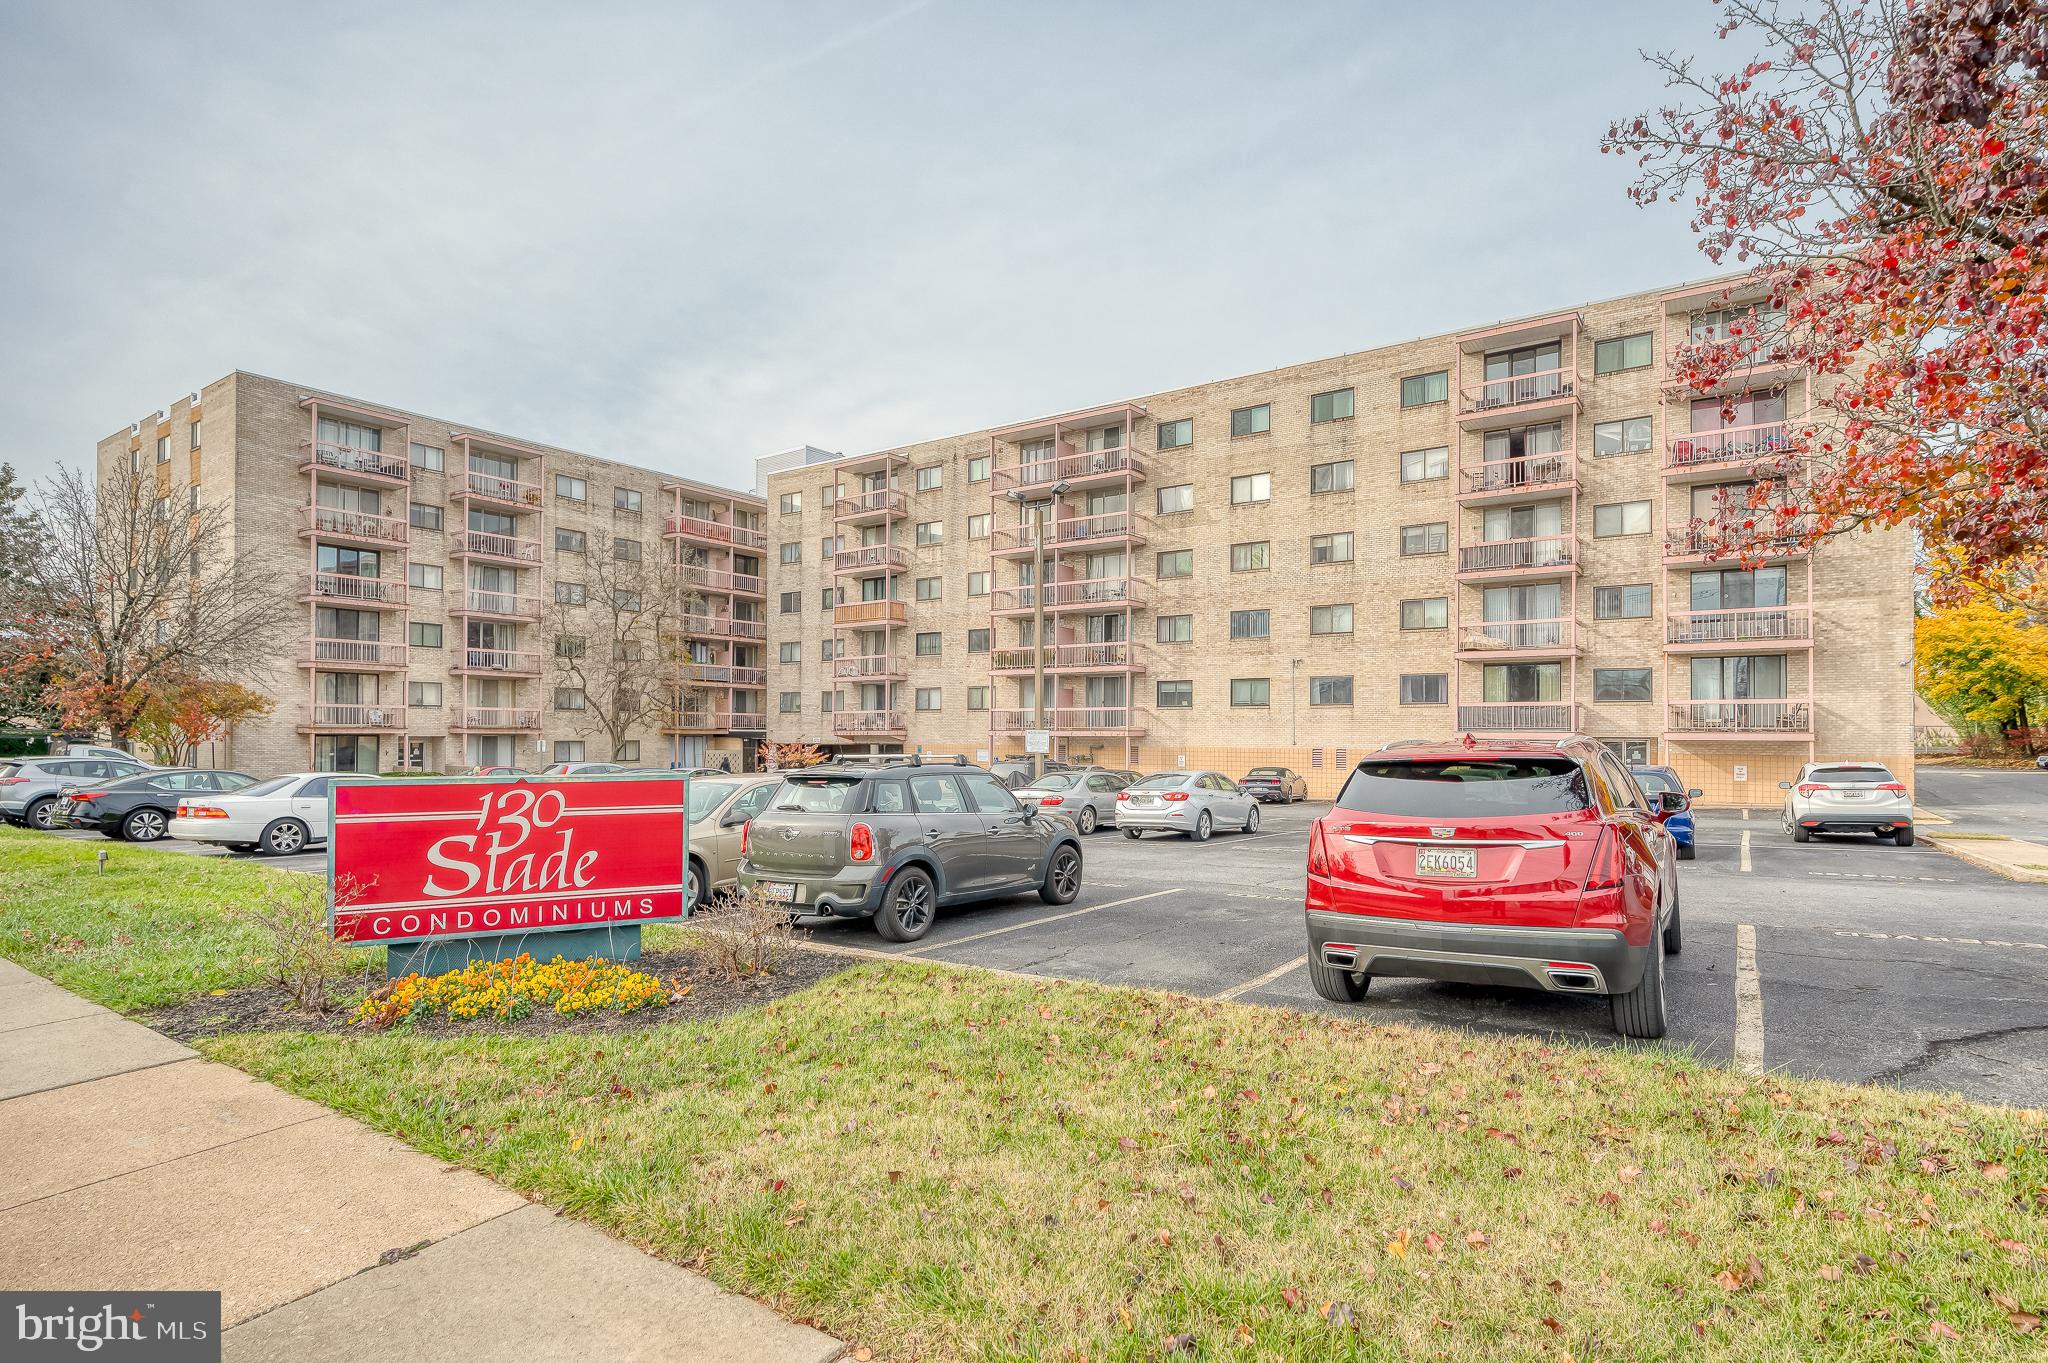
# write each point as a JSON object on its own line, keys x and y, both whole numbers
{"x": 781, "y": 891}
{"x": 1447, "y": 861}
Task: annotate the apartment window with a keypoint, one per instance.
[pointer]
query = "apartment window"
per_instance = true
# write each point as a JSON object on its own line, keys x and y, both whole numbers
{"x": 192, "y": 564}
{"x": 1329, "y": 619}
{"x": 1252, "y": 420}
{"x": 1176, "y": 629}
{"x": 1179, "y": 497}
{"x": 1421, "y": 466}
{"x": 1426, "y": 612}
{"x": 424, "y": 694}
{"x": 792, "y": 552}
{"x": 425, "y": 517}
{"x": 1422, "y": 390}
{"x": 1329, "y": 690}
{"x": 828, "y": 649}
{"x": 977, "y": 469}
{"x": 1425, "y": 688}
{"x": 1176, "y": 563}
{"x": 569, "y": 593}
{"x": 977, "y": 698}
{"x": 1623, "y": 352}
{"x": 977, "y": 526}
{"x": 826, "y": 599}
{"x": 977, "y": 584}
{"x": 1251, "y": 487}
{"x": 1251, "y": 691}
{"x": 570, "y": 698}
{"x": 1621, "y": 683}
{"x": 194, "y": 497}
{"x": 1174, "y": 695}
{"x": 1431, "y": 538}
{"x": 195, "y": 435}
{"x": 626, "y": 551}
{"x": 163, "y": 449}
{"x": 827, "y": 701}
{"x": 1250, "y": 624}
{"x": 1174, "y": 434}
{"x": 420, "y": 634}
{"x": 931, "y": 532}
{"x": 570, "y": 541}
{"x": 1633, "y": 752}
{"x": 1631, "y": 436}
{"x": 574, "y": 489}
{"x": 927, "y": 697}
{"x": 978, "y": 640}
{"x": 569, "y": 750}
{"x": 928, "y": 644}
{"x": 789, "y": 702}
{"x": 625, "y": 601}
{"x": 628, "y": 751}
{"x": 1251, "y": 557}
{"x": 1621, "y": 518}
{"x": 931, "y": 478}
{"x": 928, "y": 588}
{"x": 792, "y": 651}
{"x": 135, "y": 461}
{"x": 1334, "y": 477}
{"x": 828, "y": 545}
{"x": 1331, "y": 406}
{"x": 791, "y": 504}
{"x": 1330, "y": 548}
{"x": 425, "y": 576}
{"x": 1622, "y": 603}
{"x": 790, "y": 602}
{"x": 625, "y": 499}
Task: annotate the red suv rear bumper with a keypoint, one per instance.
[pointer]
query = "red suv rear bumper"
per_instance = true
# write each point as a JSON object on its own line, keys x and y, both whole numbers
{"x": 1562, "y": 960}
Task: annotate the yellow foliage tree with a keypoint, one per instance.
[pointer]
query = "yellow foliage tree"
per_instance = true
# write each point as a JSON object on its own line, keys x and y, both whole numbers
{"x": 1982, "y": 666}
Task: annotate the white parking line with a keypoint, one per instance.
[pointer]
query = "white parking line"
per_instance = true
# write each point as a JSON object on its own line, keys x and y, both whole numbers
{"x": 1745, "y": 849}
{"x": 1749, "y": 1004}
{"x": 1265, "y": 979}
{"x": 1036, "y": 922}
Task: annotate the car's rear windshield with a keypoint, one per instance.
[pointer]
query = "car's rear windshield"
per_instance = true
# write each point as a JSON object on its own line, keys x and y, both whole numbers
{"x": 1653, "y": 782}
{"x": 1265, "y": 771}
{"x": 270, "y": 787}
{"x": 701, "y": 797}
{"x": 1166, "y": 781}
{"x": 1468, "y": 787}
{"x": 818, "y": 795}
{"x": 1055, "y": 781}
{"x": 1851, "y": 775}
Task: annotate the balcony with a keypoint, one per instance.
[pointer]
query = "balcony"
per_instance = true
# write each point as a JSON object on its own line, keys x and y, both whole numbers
{"x": 1117, "y": 720}
{"x": 1738, "y": 630}
{"x": 364, "y": 593}
{"x": 348, "y": 464}
{"x": 872, "y": 558}
{"x": 719, "y": 581}
{"x": 1790, "y": 720}
{"x": 1096, "y": 593}
{"x": 867, "y": 508}
{"x": 1117, "y": 656}
{"x": 1507, "y": 480}
{"x": 723, "y": 627}
{"x": 1082, "y": 469}
{"x": 857, "y": 613}
{"x": 498, "y": 718}
{"x": 1508, "y": 401}
{"x": 748, "y": 722}
{"x": 707, "y": 531}
{"x": 503, "y": 548}
{"x": 355, "y": 719}
{"x": 496, "y": 662}
{"x": 1695, "y": 544}
{"x": 1114, "y": 530}
{"x": 489, "y": 487}
{"x": 1492, "y": 639}
{"x": 507, "y": 605}
{"x": 1533, "y": 717}
{"x": 869, "y": 724}
{"x": 338, "y": 526}
{"x": 353, "y": 655}
{"x": 873, "y": 667}
{"x": 1539, "y": 556}
{"x": 720, "y": 674}
{"x": 1705, "y": 456}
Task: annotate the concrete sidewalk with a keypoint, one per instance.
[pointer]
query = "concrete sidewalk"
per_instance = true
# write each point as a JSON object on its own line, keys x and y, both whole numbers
{"x": 133, "y": 1164}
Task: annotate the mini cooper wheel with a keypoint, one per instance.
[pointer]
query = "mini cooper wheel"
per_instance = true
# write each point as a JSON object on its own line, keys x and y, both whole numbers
{"x": 144, "y": 825}
{"x": 1203, "y": 826}
{"x": 1062, "y": 877}
{"x": 1251, "y": 820}
{"x": 909, "y": 907}
{"x": 283, "y": 838}
{"x": 1338, "y": 986}
{"x": 1087, "y": 820}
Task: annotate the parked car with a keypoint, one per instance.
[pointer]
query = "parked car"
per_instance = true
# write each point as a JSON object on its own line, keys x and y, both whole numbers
{"x": 580, "y": 769}
{"x": 283, "y": 815}
{"x": 717, "y": 810}
{"x": 31, "y": 786}
{"x": 898, "y": 843}
{"x": 1509, "y": 863}
{"x": 1847, "y": 797}
{"x": 1673, "y": 802}
{"x": 1277, "y": 784}
{"x": 1192, "y": 802}
{"x": 140, "y": 808}
{"x": 1086, "y": 795}
{"x": 1015, "y": 772}
{"x": 110, "y": 754}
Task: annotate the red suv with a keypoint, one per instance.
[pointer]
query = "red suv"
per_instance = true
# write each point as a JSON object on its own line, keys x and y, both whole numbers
{"x": 1518, "y": 863}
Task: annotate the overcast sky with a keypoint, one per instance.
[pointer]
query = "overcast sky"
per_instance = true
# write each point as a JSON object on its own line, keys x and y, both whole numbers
{"x": 686, "y": 235}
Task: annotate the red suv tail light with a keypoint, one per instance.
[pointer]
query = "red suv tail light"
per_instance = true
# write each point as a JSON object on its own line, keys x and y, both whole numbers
{"x": 1811, "y": 789}
{"x": 1318, "y": 858}
{"x": 860, "y": 844}
{"x": 1175, "y": 795}
{"x": 1605, "y": 873}
{"x": 1894, "y": 787}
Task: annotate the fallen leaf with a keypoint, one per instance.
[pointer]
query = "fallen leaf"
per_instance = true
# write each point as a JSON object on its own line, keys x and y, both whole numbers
{"x": 1339, "y": 1314}
{"x": 1628, "y": 1173}
{"x": 1830, "y": 1273}
{"x": 1433, "y": 1242}
{"x": 1994, "y": 1173}
{"x": 895, "y": 1175}
{"x": 1292, "y": 1297}
{"x": 1550, "y": 1323}
{"x": 1398, "y": 1246}
{"x": 1939, "y": 1329}
{"x": 1477, "y": 1239}
{"x": 2026, "y": 1322}
{"x": 1165, "y": 1237}
{"x": 862, "y": 1354}
{"x": 1180, "y": 1344}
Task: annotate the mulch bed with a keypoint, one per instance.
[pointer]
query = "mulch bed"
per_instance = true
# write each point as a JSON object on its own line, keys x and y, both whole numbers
{"x": 269, "y": 1008}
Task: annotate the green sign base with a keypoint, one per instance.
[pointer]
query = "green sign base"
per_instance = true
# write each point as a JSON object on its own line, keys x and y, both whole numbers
{"x": 443, "y": 954}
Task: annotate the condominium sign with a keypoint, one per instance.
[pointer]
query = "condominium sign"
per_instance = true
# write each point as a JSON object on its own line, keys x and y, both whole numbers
{"x": 410, "y": 860}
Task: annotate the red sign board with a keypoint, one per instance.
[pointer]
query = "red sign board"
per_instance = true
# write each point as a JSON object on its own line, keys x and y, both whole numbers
{"x": 415, "y": 859}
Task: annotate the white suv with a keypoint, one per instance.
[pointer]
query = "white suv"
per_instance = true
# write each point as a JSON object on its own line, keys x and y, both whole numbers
{"x": 1848, "y": 797}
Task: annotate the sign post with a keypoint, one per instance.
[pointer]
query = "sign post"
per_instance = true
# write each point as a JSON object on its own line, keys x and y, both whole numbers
{"x": 1038, "y": 740}
{"x": 448, "y": 872}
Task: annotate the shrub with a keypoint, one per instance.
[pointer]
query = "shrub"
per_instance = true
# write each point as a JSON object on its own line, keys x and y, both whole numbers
{"x": 304, "y": 957}
{"x": 745, "y": 934}
{"x": 511, "y": 989}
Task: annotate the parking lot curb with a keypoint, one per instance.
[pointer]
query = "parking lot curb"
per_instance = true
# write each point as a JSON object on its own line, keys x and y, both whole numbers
{"x": 2005, "y": 857}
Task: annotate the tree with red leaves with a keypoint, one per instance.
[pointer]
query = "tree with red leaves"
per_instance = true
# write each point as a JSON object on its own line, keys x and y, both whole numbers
{"x": 1883, "y": 169}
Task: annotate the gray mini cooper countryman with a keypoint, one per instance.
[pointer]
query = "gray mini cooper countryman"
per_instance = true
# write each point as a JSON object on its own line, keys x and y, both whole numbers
{"x": 896, "y": 843}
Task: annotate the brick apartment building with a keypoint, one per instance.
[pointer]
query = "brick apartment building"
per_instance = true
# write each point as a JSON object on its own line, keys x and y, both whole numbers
{"x": 439, "y": 566}
{"x": 1486, "y": 532}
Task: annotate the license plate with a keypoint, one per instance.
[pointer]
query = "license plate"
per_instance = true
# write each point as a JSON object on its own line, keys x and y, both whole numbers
{"x": 1447, "y": 861}
{"x": 781, "y": 891}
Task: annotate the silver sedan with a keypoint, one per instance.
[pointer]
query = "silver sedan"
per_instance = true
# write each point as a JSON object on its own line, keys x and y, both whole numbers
{"x": 1196, "y": 803}
{"x": 1087, "y": 796}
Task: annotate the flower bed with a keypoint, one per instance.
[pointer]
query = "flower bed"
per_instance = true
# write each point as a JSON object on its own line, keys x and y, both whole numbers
{"x": 512, "y": 989}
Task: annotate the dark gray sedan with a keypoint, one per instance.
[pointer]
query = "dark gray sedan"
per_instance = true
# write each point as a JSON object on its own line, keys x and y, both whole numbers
{"x": 1277, "y": 785}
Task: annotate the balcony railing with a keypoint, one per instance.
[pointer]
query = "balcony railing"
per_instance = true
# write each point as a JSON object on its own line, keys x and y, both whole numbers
{"x": 1699, "y": 541}
{"x": 518, "y": 605}
{"x": 513, "y": 717}
{"x": 348, "y": 459}
{"x": 335, "y": 522}
{"x": 513, "y": 662}
{"x": 1081, "y": 465}
{"x": 488, "y": 544}
{"x": 716, "y": 532}
{"x": 719, "y": 580}
{"x": 367, "y": 718}
{"x": 1788, "y": 717}
{"x": 1516, "y": 390}
{"x": 1746, "y": 624}
{"x": 354, "y": 653}
{"x": 1110, "y": 593}
{"x": 870, "y": 613}
{"x": 372, "y": 591}
{"x": 747, "y": 722}
{"x": 881, "y": 501}
{"x": 720, "y": 674}
{"x": 1535, "y": 473}
{"x": 1541, "y": 551}
{"x": 871, "y": 558}
{"x": 1507, "y": 635}
{"x": 493, "y": 488}
{"x": 875, "y": 666}
{"x": 724, "y": 627}
{"x": 1519, "y": 717}
{"x": 1114, "y": 525}
{"x": 1731, "y": 444}
{"x": 868, "y": 722}
{"x": 1114, "y": 656}
{"x": 1070, "y": 719}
